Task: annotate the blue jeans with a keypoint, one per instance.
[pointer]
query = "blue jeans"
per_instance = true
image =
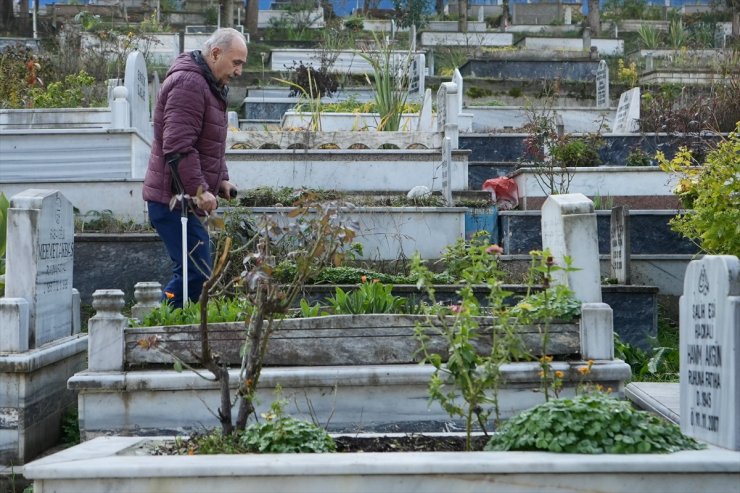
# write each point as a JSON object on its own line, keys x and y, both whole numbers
{"x": 168, "y": 225}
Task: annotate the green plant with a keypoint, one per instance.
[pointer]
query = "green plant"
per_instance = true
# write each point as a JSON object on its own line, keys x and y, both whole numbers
{"x": 70, "y": 427}
{"x": 638, "y": 157}
{"x": 649, "y": 36}
{"x": 354, "y": 23}
{"x": 390, "y": 83}
{"x": 677, "y": 34}
{"x": 590, "y": 424}
{"x": 218, "y": 310}
{"x": 602, "y": 202}
{"x": 280, "y": 434}
{"x": 714, "y": 193}
{"x": 371, "y": 297}
{"x": 467, "y": 384}
{"x": 478, "y": 92}
{"x": 67, "y": 94}
{"x": 575, "y": 152}
{"x": 411, "y": 12}
{"x": 20, "y": 71}
{"x": 516, "y": 92}
{"x": 627, "y": 74}
{"x": 308, "y": 311}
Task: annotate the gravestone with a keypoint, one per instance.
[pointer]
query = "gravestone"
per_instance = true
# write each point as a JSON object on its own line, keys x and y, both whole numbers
{"x": 621, "y": 249}
{"x": 569, "y": 229}
{"x": 602, "y": 85}
{"x": 442, "y": 106}
{"x": 568, "y": 16}
{"x": 457, "y": 78}
{"x": 136, "y": 80}
{"x": 446, "y": 171}
{"x": 39, "y": 259}
{"x": 710, "y": 351}
{"x": 426, "y": 117}
{"x": 627, "y": 119}
{"x": 417, "y": 75}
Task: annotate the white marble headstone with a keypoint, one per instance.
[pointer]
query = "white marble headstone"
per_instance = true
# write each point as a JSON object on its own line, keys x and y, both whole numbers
{"x": 40, "y": 258}
{"x": 627, "y": 119}
{"x": 619, "y": 240}
{"x": 136, "y": 80}
{"x": 569, "y": 229}
{"x": 442, "y": 106}
{"x": 710, "y": 351}
{"x": 457, "y": 78}
{"x": 426, "y": 118}
{"x": 446, "y": 170}
{"x": 602, "y": 85}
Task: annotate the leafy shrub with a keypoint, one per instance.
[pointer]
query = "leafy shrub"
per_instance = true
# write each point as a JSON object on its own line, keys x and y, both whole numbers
{"x": 627, "y": 74}
{"x": 312, "y": 82}
{"x": 590, "y": 424}
{"x": 354, "y": 23}
{"x": 714, "y": 193}
{"x": 638, "y": 157}
{"x": 20, "y": 71}
{"x": 478, "y": 92}
{"x": 67, "y": 94}
{"x": 556, "y": 303}
{"x": 577, "y": 152}
{"x": 280, "y": 434}
{"x": 516, "y": 92}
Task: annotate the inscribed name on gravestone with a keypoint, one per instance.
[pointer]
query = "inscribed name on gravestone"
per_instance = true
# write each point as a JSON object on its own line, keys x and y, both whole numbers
{"x": 620, "y": 248}
{"x": 136, "y": 80}
{"x": 441, "y": 107}
{"x": 602, "y": 85}
{"x": 710, "y": 351}
{"x": 40, "y": 259}
{"x": 446, "y": 170}
{"x": 628, "y": 112}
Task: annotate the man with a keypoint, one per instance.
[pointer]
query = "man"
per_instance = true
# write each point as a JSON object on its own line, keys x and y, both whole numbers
{"x": 190, "y": 125}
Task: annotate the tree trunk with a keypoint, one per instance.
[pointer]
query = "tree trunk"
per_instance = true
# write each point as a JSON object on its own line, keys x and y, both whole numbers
{"x": 253, "y": 9}
{"x": 505, "y": 15}
{"x": 462, "y": 10}
{"x": 228, "y": 15}
{"x": 594, "y": 17}
{"x": 6, "y": 14}
{"x": 439, "y": 7}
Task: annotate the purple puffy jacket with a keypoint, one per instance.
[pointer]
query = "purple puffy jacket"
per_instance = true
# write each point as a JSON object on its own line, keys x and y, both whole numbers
{"x": 190, "y": 119}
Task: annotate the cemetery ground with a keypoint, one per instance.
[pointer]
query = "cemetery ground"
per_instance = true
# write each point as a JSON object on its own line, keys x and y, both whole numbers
{"x": 356, "y": 369}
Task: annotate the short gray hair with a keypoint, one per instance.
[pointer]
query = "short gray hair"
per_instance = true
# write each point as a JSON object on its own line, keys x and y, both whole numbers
{"x": 222, "y": 38}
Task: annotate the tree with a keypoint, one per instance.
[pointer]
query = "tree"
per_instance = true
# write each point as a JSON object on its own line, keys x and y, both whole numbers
{"x": 594, "y": 17}
{"x": 439, "y": 7}
{"x": 411, "y": 12}
{"x": 253, "y": 10}
{"x": 734, "y": 6}
{"x": 462, "y": 9}
{"x": 228, "y": 13}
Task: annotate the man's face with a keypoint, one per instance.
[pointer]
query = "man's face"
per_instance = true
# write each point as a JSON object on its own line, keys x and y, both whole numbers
{"x": 228, "y": 63}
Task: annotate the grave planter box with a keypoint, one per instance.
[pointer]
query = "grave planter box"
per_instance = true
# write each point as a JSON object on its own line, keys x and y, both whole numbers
{"x": 390, "y": 233}
{"x": 117, "y": 464}
{"x": 639, "y": 187}
{"x": 355, "y": 372}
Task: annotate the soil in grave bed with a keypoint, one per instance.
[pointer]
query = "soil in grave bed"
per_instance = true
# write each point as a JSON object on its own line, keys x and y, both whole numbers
{"x": 349, "y": 443}
{"x": 408, "y": 443}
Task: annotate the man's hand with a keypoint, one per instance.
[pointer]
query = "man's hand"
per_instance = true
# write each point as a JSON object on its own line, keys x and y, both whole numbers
{"x": 225, "y": 189}
{"x": 206, "y": 202}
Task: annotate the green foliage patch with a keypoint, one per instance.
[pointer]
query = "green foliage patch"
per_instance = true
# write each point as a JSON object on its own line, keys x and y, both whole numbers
{"x": 590, "y": 424}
